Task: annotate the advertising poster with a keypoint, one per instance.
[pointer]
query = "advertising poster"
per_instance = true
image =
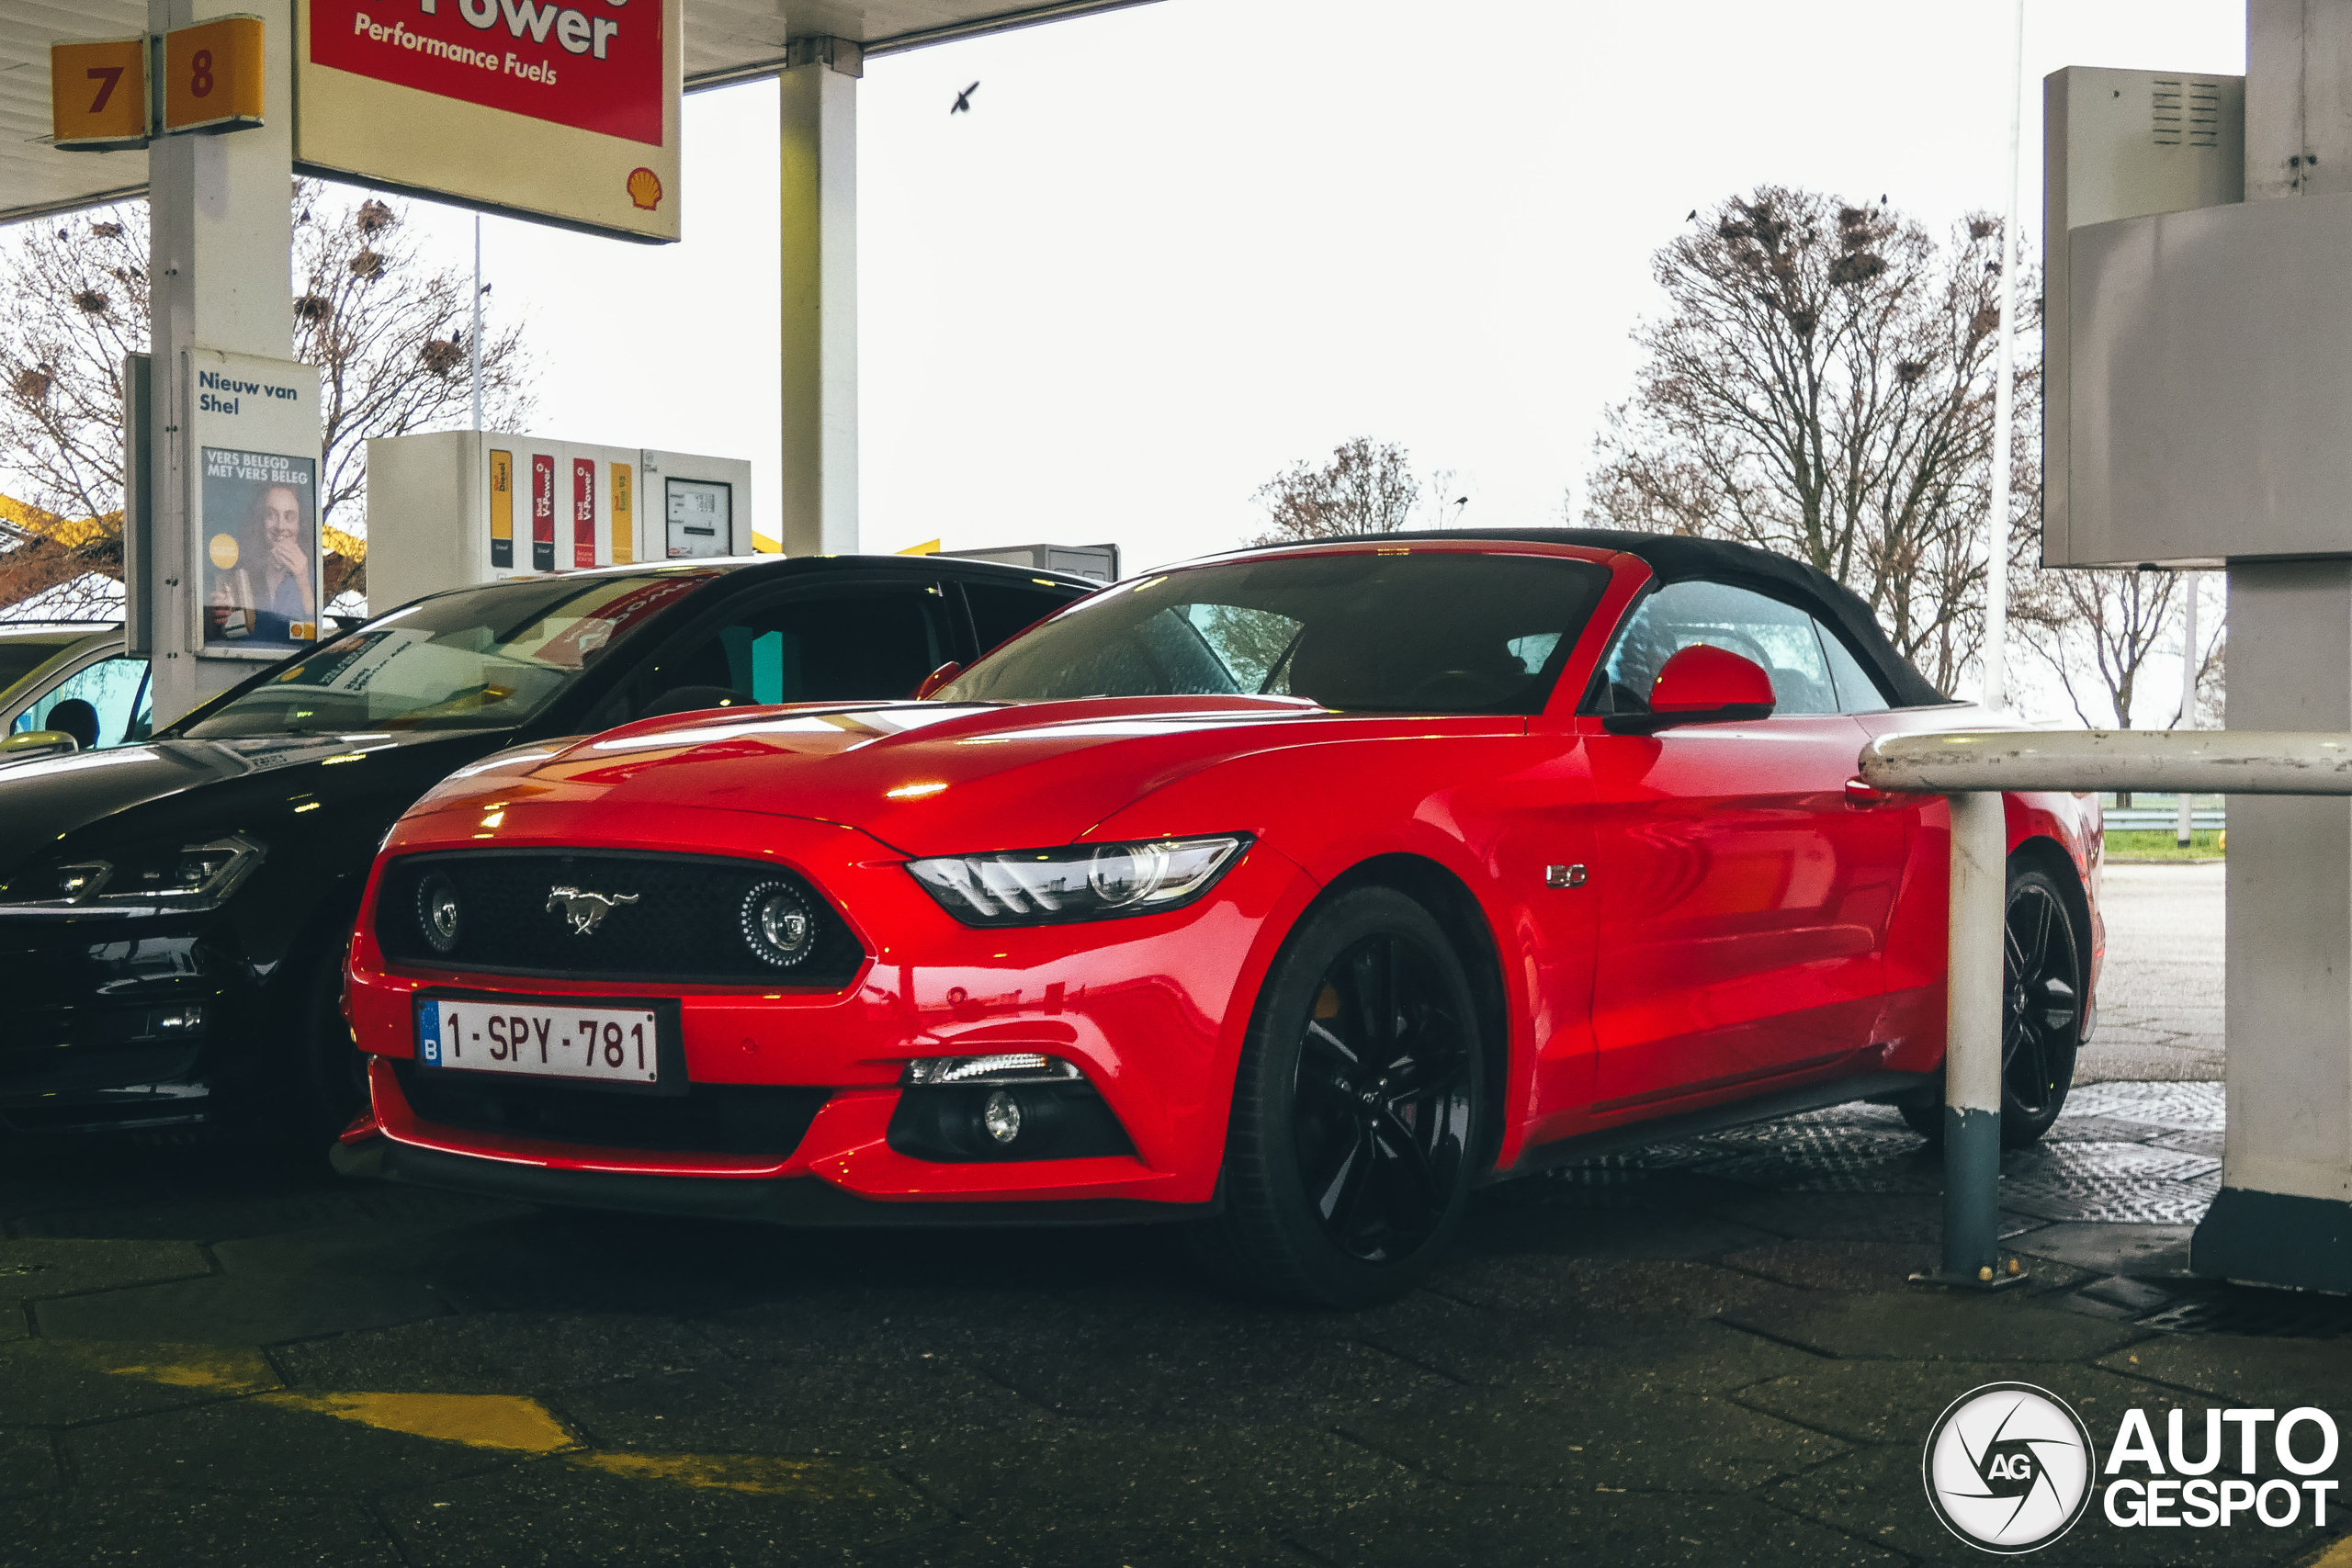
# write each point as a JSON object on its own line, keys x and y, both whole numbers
{"x": 260, "y": 563}
{"x": 564, "y": 112}
{"x": 254, "y": 566}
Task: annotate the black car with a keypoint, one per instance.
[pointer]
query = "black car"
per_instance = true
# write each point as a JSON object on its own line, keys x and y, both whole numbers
{"x": 172, "y": 913}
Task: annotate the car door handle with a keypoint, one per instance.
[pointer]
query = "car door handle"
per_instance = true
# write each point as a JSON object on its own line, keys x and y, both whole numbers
{"x": 1861, "y": 797}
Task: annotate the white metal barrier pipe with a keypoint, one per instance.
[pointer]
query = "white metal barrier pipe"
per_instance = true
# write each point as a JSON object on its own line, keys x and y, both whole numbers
{"x": 1975, "y": 997}
{"x": 1973, "y": 767}
{"x": 2204, "y": 761}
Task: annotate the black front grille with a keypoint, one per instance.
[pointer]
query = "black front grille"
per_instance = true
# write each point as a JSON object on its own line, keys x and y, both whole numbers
{"x": 715, "y": 1119}
{"x": 665, "y": 917}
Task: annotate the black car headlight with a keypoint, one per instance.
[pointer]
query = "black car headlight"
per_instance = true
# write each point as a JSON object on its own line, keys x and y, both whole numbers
{"x": 1077, "y": 881}
{"x": 155, "y": 880}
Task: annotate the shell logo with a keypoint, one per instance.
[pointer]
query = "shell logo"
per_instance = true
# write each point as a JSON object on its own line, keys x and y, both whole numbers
{"x": 645, "y": 188}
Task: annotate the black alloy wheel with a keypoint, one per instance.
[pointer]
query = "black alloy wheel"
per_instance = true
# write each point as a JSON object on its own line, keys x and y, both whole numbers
{"x": 2042, "y": 1007}
{"x": 2043, "y": 972}
{"x": 1349, "y": 1160}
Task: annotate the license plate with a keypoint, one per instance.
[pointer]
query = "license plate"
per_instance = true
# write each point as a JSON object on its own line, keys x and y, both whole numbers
{"x": 533, "y": 1040}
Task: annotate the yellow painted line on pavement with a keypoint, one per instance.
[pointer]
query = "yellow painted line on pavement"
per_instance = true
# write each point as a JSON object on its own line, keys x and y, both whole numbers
{"x": 207, "y": 1366}
{"x": 2336, "y": 1556}
{"x": 817, "y": 1480}
{"x": 478, "y": 1420}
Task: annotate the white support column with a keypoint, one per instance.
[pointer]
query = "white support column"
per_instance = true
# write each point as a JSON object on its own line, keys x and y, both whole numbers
{"x": 2284, "y": 1217}
{"x": 819, "y": 283}
{"x": 220, "y": 276}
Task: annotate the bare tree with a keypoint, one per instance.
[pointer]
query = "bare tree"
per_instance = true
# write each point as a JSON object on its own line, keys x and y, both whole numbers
{"x": 385, "y": 325}
{"x": 1822, "y": 385}
{"x": 1365, "y": 489}
{"x": 2096, "y": 630}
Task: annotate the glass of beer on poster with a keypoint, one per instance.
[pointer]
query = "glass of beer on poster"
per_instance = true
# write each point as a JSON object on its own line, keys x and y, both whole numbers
{"x": 261, "y": 549}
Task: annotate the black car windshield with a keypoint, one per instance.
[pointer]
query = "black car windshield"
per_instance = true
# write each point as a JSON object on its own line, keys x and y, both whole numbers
{"x": 484, "y": 658}
{"x": 1396, "y": 630}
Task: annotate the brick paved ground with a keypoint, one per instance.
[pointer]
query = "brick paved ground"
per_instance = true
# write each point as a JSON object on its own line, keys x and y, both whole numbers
{"x": 1705, "y": 1354}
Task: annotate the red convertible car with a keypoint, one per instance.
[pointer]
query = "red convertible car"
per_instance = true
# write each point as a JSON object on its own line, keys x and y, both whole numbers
{"x": 1292, "y": 893}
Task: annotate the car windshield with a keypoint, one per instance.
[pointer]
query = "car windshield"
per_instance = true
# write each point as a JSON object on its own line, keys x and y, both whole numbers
{"x": 485, "y": 659}
{"x": 1393, "y": 630}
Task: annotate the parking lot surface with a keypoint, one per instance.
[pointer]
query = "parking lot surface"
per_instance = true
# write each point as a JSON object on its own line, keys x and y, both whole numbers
{"x": 1706, "y": 1352}
{"x": 2160, "y": 999}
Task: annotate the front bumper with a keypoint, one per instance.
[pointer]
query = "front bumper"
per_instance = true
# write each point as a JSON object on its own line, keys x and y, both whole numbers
{"x": 1151, "y": 1010}
{"x": 799, "y": 1200}
{"x": 119, "y": 1024}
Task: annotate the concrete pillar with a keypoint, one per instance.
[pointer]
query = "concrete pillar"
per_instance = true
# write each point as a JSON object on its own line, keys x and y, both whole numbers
{"x": 2284, "y": 1217}
{"x": 220, "y": 276}
{"x": 819, "y": 283}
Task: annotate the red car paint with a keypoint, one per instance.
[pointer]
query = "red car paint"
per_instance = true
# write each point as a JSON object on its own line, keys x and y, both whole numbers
{"x": 1750, "y": 924}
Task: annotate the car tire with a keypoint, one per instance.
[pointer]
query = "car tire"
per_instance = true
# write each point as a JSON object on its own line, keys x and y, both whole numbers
{"x": 2045, "y": 980}
{"x": 1350, "y": 1158}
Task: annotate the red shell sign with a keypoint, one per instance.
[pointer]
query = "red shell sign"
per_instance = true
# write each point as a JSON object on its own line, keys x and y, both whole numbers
{"x": 595, "y": 66}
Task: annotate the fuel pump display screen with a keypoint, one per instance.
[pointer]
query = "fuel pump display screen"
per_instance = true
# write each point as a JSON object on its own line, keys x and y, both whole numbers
{"x": 702, "y": 518}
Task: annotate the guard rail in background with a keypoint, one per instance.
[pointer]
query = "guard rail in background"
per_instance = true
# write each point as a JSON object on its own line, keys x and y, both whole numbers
{"x": 1973, "y": 767}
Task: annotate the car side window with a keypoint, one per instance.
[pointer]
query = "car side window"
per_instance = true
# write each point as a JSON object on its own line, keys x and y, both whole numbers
{"x": 1857, "y": 693}
{"x": 999, "y": 609}
{"x": 848, "y": 644}
{"x": 1780, "y": 638}
{"x": 99, "y": 705}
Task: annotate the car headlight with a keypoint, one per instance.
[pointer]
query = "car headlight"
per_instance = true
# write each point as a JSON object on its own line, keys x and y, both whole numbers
{"x": 156, "y": 880}
{"x": 1077, "y": 881}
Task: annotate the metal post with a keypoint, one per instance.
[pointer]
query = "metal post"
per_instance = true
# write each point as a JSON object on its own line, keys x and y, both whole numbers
{"x": 818, "y": 204}
{"x": 2186, "y": 833}
{"x": 475, "y": 371}
{"x": 1995, "y": 688}
{"x": 220, "y": 277}
{"x": 1980, "y": 847}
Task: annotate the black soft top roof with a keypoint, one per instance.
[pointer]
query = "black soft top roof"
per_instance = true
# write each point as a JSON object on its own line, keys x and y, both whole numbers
{"x": 1674, "y": 556}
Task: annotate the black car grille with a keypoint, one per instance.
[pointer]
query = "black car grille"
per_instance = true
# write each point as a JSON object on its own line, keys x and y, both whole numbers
{"x": 667, "y": 918}
{"x": 718, "y": 1119}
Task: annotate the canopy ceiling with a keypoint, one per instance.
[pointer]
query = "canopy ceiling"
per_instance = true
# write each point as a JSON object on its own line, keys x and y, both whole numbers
{"x": 727, "y": 40}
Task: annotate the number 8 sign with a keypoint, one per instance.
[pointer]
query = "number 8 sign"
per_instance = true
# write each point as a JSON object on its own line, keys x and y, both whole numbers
{"x": 213, "y": 75}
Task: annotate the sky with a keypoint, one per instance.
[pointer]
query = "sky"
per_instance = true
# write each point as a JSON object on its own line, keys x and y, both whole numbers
{"x": 1176, "y": 248}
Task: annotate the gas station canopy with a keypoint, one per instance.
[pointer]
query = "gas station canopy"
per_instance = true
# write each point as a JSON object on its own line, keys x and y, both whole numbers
{"x": 727, "y": 40}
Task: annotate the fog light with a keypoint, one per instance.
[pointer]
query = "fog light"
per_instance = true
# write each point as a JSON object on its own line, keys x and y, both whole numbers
{"x": 1000, "y": 1117}
{"x": 179, "y": 1020}
{"x": 438, "y": 914}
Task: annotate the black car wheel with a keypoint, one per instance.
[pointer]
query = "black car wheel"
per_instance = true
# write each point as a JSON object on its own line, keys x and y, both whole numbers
{"x": 2046, "y": 975}
{"x": 1348, "y": 1162}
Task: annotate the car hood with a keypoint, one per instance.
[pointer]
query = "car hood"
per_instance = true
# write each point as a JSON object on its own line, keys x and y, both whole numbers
{"x": 174, "y": 787}
{"x": 924, "y": 778}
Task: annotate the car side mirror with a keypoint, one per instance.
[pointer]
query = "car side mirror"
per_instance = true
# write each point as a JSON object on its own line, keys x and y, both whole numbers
{"x": 938, "y": 677}
{"x": 1700, "y": 685}
{"x": 34, "y": 743}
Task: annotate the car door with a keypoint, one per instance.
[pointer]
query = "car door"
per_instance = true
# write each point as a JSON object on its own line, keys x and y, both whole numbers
{"x": 822, "y": 640}
{"x": 1743, "y": 901}
{"x": 106, "y": 702}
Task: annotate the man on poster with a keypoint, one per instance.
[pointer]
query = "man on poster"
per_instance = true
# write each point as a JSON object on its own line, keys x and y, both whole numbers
{"x": 261, "y": 546}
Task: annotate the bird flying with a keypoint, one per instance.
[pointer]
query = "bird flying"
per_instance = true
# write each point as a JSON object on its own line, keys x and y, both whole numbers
{"x": 963, "y": 100}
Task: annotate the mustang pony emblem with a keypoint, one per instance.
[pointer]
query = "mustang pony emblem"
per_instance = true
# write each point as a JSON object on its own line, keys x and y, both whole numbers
{"x": 586, "y": 910}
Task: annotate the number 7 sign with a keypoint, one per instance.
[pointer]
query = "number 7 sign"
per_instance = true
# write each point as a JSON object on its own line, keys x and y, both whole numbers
{"x": 98, "y": 95}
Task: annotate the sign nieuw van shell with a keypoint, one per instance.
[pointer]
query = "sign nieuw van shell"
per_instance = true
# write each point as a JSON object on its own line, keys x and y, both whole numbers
{"x": 546, "y": 109}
